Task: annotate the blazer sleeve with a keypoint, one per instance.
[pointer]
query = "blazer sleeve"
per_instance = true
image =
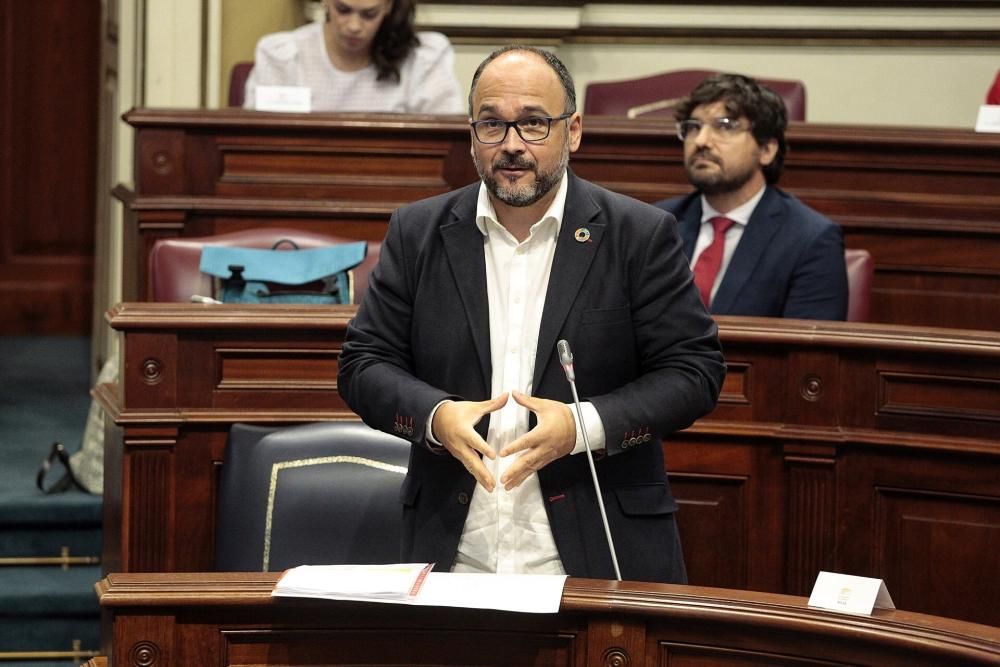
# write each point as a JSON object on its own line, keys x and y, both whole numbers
{"x": 679, "y": 367}
{"x": 818, "y": 286}
{"x": 375, "y": 373}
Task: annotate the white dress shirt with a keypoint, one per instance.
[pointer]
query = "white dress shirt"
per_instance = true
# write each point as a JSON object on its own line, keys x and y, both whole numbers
{"x": 740, "y": 215}
{"x": 508, "y": 531}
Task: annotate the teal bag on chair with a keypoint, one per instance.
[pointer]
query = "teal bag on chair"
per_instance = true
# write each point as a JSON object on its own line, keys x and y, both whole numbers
{"x": 256, "y": 275}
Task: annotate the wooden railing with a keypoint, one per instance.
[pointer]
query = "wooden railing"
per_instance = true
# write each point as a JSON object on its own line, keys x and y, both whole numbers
{"x": 924, "y": 202}
{"x": 231, "y": 619}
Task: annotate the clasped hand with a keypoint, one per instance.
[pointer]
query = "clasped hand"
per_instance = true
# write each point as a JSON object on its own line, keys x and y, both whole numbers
{"x": 554, "y": 436}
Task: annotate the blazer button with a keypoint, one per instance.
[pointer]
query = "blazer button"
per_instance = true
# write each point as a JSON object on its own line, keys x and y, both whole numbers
{"x": 463, "y": 498}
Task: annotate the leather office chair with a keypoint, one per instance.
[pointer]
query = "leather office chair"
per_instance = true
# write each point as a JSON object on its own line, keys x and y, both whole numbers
{"x": 318, "y": 494}
{"x": 657, "y": 95}
{"x": 238, "y": 81}
{"x": 173, "y": 263}
{"x": 860, "y": 273}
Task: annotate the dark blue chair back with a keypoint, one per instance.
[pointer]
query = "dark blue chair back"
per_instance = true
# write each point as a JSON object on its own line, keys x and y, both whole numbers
{"x": 316, "y": 494}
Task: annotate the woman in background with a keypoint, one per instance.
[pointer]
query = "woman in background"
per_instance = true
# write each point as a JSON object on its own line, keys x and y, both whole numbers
{"x": 365, "y": 56}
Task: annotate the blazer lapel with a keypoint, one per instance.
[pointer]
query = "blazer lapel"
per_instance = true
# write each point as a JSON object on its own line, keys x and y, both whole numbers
{"x": 690, "y": 224}
{"x": 463, "y": 243}
{"x": 763, "y": 225}
{"x": 570, "y": 264}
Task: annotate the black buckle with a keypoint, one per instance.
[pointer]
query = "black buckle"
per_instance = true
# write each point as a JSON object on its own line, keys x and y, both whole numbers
{"x": 68, "y": 479}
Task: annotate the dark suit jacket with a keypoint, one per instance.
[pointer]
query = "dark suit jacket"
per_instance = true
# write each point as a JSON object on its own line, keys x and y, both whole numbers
{"x": 789, "y": 262}
{"x": 647, "y": 356}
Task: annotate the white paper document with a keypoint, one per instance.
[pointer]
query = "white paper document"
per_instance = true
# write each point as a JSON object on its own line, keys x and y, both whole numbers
{"x": 397, "y": 582}
{"x": 850, "y": 594}
{"x": 532, "y": 593}
{"x": 988, "y": 119}
{"x": 413, "y": 583}
{"x": 296, "y": 99}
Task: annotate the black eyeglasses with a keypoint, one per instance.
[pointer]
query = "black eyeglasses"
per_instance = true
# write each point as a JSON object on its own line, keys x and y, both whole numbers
{"x": 532, "y": 128}
{"x": 722, "y": 128}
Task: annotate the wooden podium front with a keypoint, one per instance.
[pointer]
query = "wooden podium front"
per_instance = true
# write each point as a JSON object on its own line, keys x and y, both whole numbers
{"x": 229, "y": 619}
{"x": 865, "y": 449}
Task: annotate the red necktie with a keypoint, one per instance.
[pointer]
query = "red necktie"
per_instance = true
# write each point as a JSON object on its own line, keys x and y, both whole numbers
{"x": 710, "y": 260}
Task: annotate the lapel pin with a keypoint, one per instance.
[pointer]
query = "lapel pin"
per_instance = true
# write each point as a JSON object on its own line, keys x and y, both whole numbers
{"x": 582, "y": 235}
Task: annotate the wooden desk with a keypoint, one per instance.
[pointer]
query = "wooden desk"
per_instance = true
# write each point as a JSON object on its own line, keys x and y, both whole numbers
{"x": 865, "y": 449}
{"x": 231, "y": 619}
{"x": 924, "y": 202}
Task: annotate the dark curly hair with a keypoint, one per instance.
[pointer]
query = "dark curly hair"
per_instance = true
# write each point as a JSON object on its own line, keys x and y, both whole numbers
{"x": 394, "y": 40}
{"x": 743, "y": 96}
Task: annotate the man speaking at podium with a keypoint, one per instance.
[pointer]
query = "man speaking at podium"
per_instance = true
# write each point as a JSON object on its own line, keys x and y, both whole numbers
{"x": 454, "y": 349}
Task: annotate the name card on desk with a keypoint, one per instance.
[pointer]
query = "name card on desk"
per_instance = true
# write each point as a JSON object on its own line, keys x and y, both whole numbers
{"x": 989, "y": 118}
{"x": 297, "y": 99}
{"x": 850, "y": 594}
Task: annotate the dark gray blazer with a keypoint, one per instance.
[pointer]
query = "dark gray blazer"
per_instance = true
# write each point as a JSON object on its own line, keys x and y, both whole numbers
{"x": 789, "y": 262}
{"x": 647, "y": 356}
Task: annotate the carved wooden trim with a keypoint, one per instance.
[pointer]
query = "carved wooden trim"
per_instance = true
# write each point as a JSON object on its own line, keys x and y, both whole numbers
{"x": 811, "y": 508}
{"x": 149, "y": 487}
{"x": 276, "y": 369}
{"x": 717, "y": 35}
{"x": 939, "y": 4}
{"x": 737, "y": 388}
{"x": 196, "y": 205}
{"x": 933, "y": 522}
{"x": 939, "y": 396}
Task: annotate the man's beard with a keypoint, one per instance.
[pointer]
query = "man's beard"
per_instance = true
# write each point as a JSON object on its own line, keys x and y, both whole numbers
{"x": 527, "y": 194}
{"x": 719, "y": 182}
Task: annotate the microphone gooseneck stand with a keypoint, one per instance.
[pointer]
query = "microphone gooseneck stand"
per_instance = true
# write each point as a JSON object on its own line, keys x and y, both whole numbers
{"x": 566, "y": 359}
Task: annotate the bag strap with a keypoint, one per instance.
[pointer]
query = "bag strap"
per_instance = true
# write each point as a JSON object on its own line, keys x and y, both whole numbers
{"x": 68, "y": 479}
{"x": 277, "y": 244}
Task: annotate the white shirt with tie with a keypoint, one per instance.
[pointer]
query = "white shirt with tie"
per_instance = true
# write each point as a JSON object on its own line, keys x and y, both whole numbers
{"x": 740, "y": 215}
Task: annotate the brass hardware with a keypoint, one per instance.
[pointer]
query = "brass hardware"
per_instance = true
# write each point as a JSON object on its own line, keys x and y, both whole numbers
{"x": 64, "y": 560}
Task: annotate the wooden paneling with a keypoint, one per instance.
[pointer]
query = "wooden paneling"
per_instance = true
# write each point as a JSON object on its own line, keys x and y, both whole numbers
{"x": 933, "y": 524}
{"x": 798, "y": 469}
{"x": 231, "y": 619}
{"x": 923, "y": 201}
{"x": 49, "y": 69}
{"x": 713, "y": 510}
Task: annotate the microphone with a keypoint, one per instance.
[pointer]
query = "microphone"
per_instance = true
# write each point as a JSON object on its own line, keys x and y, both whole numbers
{"x": 566, "y": 359}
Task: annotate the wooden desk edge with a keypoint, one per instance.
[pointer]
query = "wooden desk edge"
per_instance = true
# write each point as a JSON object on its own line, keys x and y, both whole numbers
{"x": 628, "y": 598}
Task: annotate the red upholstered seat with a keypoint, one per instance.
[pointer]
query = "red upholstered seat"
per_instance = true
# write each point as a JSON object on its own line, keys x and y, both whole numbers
{"x": 860, "y": 272}
{"x": 173, "y": 263}
{"x": 993, "y": 96}
{"x": 237, "y": 82}
{"x": 657, "y": 95}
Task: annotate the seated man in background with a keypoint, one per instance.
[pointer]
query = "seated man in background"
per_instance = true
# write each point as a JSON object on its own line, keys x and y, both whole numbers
{"x": 364, "y": 57}
{"x": 754, "y": 249}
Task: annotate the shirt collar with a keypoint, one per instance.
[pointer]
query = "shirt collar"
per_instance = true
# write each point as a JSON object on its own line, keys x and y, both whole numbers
{"x": 486, "y": 213}
{"x": 740, "y": 215}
